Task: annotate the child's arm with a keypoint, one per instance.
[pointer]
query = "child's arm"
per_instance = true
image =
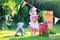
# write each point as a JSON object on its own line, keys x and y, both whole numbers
{"x": 23, "y": 29}
{"x": 17, "y": 29}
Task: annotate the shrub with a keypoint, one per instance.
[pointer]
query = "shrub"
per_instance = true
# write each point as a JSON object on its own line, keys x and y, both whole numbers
{"x": 50, "y": 32}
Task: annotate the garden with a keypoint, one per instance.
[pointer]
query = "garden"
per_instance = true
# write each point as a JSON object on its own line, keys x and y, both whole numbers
{"x": 15, "y": 11}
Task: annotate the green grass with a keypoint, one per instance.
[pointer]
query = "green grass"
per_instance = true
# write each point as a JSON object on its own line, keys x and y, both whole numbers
{"x": 8, "y": 35}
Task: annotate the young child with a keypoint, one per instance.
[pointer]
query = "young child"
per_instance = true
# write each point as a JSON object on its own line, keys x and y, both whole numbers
{"x": 33, "y": 24}
{"x": 20, "y": 28}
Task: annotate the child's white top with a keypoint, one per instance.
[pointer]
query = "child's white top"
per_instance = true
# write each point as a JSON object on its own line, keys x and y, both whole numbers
{"x": 20, "y": 24}
{"x": 33, "y": 25}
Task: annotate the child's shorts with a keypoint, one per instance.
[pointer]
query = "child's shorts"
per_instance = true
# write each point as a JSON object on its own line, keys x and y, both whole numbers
{"x": 20, "y": 30}
{"x": 31, "y": 29}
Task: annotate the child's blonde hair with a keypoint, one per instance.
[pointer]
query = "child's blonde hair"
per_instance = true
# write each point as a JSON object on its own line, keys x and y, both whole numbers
{"x": 33, "y": 11}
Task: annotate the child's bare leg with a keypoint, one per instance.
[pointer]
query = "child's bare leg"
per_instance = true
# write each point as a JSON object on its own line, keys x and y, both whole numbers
{"x": 31, "y": 33}
{"x": 16, "y": 33}
{"x": 34, "y": 32}
{"x": 21, "y": 33}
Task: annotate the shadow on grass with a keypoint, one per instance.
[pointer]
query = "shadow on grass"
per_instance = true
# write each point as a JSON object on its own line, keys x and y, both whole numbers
{"x": 32, "y": 38}
{"x": 10, "y": 36}
{"x": 37, "y": 38}
{"x": 56, "y": 38}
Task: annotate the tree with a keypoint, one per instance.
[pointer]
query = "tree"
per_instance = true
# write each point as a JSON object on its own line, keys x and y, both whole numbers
{"x": 8, "y": 7}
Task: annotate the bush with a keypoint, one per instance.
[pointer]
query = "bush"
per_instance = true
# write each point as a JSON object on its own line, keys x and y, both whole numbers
{"x": 50, "y": 32}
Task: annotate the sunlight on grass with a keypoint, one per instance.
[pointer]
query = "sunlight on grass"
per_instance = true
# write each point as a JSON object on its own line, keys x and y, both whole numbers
{"x": 4, "y": 39}
{"x": 9, "y": 35}
{"x": 5, "y": 35}
{"x": 28, "y": 34}
{"x": 58, "y": 34}
{"x": 6, "y": 32}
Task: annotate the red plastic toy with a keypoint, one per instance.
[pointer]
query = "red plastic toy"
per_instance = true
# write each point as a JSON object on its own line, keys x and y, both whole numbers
{"x": 42, "y": 28}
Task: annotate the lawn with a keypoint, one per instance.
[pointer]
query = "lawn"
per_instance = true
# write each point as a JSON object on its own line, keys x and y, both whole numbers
{"x": 8, "y": 35}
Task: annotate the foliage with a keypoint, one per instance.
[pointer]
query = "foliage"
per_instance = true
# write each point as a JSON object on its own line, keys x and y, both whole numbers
{"x": 50, "y": 31}
{"x": 22, "y": 15}
{"x": 8, "y": 7}
{"x": 40, "y": 14}
{"x": 8, "y": 24}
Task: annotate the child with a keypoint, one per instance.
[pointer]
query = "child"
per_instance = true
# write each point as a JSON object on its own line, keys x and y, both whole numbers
{"x": 20, "y": 28}
{"x": 33, "y": 24}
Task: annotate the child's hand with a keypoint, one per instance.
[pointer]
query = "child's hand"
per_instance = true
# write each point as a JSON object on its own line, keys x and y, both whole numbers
{"x": 17, "y": 29}
{"x": 23, "y": 30}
